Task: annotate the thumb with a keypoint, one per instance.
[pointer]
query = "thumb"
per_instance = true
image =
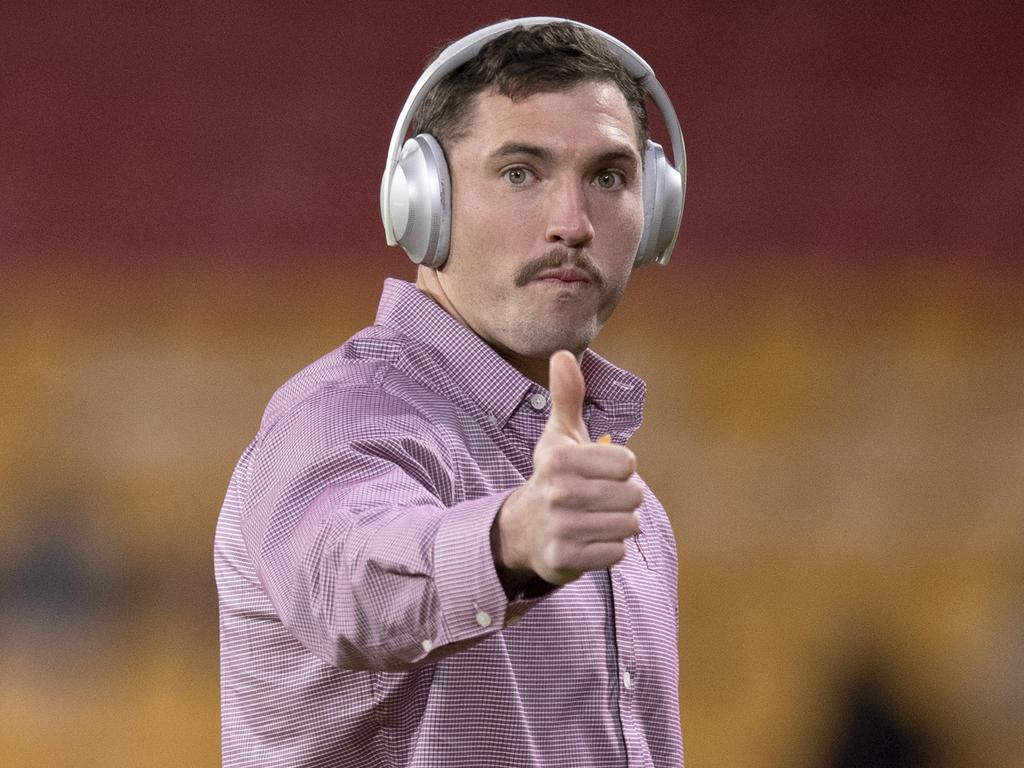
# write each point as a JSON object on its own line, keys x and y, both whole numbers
{"x": 565, "y": 382}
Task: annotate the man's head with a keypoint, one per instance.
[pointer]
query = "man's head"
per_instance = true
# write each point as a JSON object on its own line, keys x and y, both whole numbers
{"x": 543, "y": 133}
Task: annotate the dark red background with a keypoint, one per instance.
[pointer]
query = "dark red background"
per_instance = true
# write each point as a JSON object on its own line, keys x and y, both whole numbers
{"x": 254, "y": 130}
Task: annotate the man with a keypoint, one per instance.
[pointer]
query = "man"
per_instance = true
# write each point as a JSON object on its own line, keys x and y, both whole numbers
{"x": 431, "y": 555}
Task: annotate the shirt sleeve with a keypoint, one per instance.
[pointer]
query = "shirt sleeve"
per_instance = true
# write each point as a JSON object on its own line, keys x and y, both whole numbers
{"x": 355, "y": 528}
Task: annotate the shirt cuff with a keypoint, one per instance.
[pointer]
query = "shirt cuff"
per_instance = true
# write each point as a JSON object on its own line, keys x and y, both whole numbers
{"x": 472, "y": 600}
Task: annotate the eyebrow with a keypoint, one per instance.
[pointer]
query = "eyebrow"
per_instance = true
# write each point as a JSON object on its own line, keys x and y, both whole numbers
{"x": 510, "y": 148}
{"x": 514, "y": 148}
{"x": 614, "y": 155}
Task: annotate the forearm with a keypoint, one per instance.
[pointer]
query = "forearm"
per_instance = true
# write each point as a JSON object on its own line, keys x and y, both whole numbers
{"x": 386, "y": 587}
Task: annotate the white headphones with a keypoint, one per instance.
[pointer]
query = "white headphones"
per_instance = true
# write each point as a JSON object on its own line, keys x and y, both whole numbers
{"x": 415, "y": 193}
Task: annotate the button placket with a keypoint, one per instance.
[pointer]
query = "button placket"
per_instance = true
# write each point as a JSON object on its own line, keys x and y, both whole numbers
{"x": 624, "y": 637}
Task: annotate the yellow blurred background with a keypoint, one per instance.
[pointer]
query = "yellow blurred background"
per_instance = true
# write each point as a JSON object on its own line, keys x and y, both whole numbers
{"x": 841, "y": 459}
{"x": 835, "y": 359}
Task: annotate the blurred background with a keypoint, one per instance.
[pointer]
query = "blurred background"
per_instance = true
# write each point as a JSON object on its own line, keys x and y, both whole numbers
{"x": 835, "y": 355}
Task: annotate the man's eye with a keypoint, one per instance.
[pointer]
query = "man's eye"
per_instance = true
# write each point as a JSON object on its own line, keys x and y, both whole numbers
{"x": 517, "y": 176}
{"x": 609, "y": 179}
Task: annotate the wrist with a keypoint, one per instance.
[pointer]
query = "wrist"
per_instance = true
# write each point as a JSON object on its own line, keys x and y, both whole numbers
{"x": 517, "y": 579}
{"x": 503, "y": 536}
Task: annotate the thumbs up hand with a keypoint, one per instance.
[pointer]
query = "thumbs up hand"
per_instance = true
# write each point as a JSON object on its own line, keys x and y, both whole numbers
{"x": 577, "y": 509}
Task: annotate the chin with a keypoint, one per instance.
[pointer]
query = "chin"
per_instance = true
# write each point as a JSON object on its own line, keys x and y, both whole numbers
{"x": 545, "y": 344}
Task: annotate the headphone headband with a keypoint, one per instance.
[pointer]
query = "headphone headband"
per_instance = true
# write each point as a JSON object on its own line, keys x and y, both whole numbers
{"x": 465, "y": 48}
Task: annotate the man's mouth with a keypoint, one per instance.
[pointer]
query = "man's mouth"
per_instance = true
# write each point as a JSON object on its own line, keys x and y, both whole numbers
{"x": 564, "y": 275}
{"x": 559, "y": 267}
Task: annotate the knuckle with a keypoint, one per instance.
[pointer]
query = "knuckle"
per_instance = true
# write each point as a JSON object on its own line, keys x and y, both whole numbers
{"x": 617, "y": 551}
{"x": 567, "y": 493}
{"x": 558, "y": 555}
{"x": 558, "y": 458}
{"x": 554, "y": 494}
{"x": 636, "y": 495}
{"x": 627, "y": 465}
{"x": 559, "y": 530}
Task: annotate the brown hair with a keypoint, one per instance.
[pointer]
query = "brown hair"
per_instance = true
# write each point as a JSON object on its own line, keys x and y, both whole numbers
{"x": 521, "y": 63}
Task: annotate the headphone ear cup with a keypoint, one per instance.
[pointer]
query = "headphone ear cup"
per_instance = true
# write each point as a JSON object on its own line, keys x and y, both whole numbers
{"x": 420, "y": 202}
{"x": 663, "y": 207}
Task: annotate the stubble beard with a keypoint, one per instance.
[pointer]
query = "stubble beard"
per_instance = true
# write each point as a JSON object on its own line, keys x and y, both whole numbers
{"x": 540, "y": 334}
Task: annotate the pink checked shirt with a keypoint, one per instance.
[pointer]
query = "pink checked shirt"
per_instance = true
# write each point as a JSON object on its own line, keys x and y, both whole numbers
{"x": 362, "y": 622}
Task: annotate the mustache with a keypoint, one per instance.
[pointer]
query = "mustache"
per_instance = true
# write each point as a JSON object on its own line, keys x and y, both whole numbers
{"x": 560, "y": 257}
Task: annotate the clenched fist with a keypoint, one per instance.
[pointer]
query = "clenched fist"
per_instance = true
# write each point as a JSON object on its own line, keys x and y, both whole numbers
{"x": 577, "y": 509}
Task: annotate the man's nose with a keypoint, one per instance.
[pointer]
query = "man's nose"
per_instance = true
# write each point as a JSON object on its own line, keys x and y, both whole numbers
{"x": 568, "y": 219}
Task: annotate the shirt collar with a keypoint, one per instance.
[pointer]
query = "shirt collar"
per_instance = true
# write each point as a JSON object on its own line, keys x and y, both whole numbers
{"x": 476, "y": 370}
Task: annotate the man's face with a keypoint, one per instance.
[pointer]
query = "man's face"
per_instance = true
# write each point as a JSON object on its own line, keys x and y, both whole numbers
{"x": 547, "y": 213}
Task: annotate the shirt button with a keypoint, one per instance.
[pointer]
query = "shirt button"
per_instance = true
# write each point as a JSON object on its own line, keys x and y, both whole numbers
{"x": 538, "y": 401}
{"x": 627, "y": 680}
{"x": 427, "y": 645}
{"x": 483, "y": 619}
